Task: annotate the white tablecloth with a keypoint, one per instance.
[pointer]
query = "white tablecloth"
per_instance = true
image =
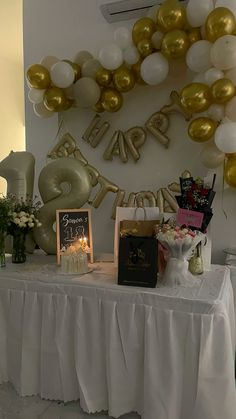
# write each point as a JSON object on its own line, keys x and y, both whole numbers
{"x": 164, "y": 353}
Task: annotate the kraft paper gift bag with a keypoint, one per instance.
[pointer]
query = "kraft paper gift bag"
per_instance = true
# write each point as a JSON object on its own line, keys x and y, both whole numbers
{"x": 131, "y": 213}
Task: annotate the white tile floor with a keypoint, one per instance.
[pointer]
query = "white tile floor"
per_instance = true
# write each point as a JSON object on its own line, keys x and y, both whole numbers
{"x": 13, "y": 406}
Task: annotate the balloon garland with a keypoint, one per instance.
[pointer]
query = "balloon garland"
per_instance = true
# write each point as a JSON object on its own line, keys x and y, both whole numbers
{"x": 203, "y": 33}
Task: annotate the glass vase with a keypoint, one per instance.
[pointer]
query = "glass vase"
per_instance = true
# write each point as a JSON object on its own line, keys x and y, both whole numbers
{"x": 18, "y": 247}
{"x": 2, "y": 249}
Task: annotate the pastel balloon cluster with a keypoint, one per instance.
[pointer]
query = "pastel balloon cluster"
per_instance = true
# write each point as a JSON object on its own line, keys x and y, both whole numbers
{"x": 202, "y": 35}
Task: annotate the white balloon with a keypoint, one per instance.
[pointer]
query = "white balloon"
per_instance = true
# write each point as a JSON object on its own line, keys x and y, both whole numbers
{"x": 231, "y": 74}
{"x": 229, "y": 4}
{"x": 86, "y": 92}
{"x": 90, "y": 68}
{"x": 223, "y": 52}
{"x": 212, "y": 75}
{"x": 225, "y": 137}
{"x": 157, "y": 39}
{"x": 36, "y": 95}
{"x": 230, "y": 109}
{"x": 131, "y": 55}
{"x": 62, "y": 74}
{"x": 111, "y": 56}
{"x": 123, "y": 37}
{"x": 198, "y": 10}
{"x": 198, "y": 56}
{"x": 82, "y": 56}
{"x": 216, "y": 112}
{"x": 49, "y": 61}
{"x": 154, "y": 68}
{"x": 41, "y": 111}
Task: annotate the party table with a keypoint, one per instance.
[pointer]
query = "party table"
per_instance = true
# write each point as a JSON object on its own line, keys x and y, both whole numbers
{"x": 166, "y": 353}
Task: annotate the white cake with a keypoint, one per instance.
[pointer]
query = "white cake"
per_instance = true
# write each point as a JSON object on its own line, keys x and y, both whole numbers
{"x": 74, "y": 261}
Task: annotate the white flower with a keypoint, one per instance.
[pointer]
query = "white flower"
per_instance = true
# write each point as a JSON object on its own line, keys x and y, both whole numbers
{"x": 31, "y": 225}
{"x": 22, "y": 214}
{"x": 23, "y": 219}
{"x": 16, "y": 220}
{"x": 22, "y": 224}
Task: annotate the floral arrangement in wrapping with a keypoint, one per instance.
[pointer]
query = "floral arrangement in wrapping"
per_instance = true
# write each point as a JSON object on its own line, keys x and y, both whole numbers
{"x": 196, "y": 196}
{"x": 179, "y": 242}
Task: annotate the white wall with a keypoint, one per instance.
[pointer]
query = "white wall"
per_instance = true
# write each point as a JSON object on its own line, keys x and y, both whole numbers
{"x": 62, "y": 28}
{"x": 11, "y": 80}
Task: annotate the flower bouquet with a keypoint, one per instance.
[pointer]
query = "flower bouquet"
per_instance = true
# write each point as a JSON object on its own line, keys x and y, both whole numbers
{"x": 180, "y": 243}
{"x": 196, "y": 196}
{"x": 22, "y": 222}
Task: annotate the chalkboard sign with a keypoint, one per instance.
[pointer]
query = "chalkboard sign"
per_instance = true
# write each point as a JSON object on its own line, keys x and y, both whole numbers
{"x": 74, "y": 225}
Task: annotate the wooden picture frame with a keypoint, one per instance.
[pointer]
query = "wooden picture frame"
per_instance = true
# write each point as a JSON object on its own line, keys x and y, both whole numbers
{"x": 72, "y": 225}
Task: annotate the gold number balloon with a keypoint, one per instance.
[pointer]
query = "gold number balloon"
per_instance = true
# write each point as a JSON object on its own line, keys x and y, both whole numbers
{"x": 123, "y": 79}
{"x": 175, "y": 44}
{"x": 55, "y": 99}
{"x": 51, "y": 177}
{"x": 171, "y": 15}
{"x": 220, "y": 22}
{"x": 38, "y": 76}
{"x": 195, "y": 97}
{"x": 104, "y": 77}
{"x": 143, "y": 29}
{"x": 111, "y": 100}
{"x": 202, "y": 129}
{"x": 222, "y": 91}
{"x": 230, "y": 171}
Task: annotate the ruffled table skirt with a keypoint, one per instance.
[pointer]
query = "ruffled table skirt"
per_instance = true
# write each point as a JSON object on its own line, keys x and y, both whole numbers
{"x": 164, "y": 353}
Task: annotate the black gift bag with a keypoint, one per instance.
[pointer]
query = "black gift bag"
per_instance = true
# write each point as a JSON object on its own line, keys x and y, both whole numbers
{"x": 137, "y": 264}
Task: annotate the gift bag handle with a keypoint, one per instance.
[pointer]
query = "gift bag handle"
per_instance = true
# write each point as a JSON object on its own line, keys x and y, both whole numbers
{"x": 144, "y": 211}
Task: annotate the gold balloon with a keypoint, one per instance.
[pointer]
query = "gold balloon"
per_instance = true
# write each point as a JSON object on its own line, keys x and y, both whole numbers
{"x": 76, "y": 68}
{"x": 38, "y": 76}
{"x": 202, "y": 129}
{"x": 175, "y": 44}
{"x": 55, "y": 99}
{"x": 222, "y": 91}
{"x": 220, "y": 22}
{"x": 111, "y": 100}
{"x": 194, "y": 35}
{"x": 145, "y": 47}
{"x": 123, "y": 79}
{"x": 195, "y": 97}
{"x": 136, "y": 70}
{"x": 98, "y": 107}
{"x": 143, "y": 29}
{"x": 171, "y": 15}
{"x": 104, "y": 77}
{"x": 230, "y": 172}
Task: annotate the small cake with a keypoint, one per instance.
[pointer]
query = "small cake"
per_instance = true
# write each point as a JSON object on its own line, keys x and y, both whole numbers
{"x": 74, "y": 260}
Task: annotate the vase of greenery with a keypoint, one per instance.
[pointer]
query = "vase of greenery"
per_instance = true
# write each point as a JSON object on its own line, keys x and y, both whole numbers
{"x": 24, "y": 212}
{"x": 5, "y": 220}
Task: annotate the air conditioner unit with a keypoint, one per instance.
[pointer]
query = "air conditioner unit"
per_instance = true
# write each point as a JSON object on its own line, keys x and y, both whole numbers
{"x": 127, "y": 9}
